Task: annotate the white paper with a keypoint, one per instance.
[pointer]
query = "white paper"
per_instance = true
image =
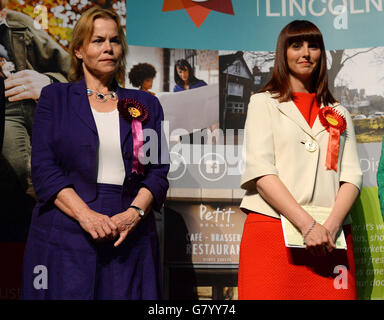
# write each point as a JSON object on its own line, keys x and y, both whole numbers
{"x": 191, "y": 109}
{"x": 294, "y": 239}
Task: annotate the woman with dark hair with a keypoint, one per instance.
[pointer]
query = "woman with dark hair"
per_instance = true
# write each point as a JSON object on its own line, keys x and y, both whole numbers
{"x": 141, "y": 76}
{"x": 185, "y": 78}
{"x": 291, "y": 169}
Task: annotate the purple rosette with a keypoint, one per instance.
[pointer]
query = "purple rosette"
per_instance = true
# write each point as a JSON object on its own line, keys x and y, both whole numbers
{"x": 131, "y": 109}
{"x": 135, "y": 113}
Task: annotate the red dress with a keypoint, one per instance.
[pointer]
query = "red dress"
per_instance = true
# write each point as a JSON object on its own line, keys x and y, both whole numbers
{"x": 269, "y": 270}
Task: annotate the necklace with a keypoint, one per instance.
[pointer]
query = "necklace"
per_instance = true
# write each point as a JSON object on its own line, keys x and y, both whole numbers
{"x": 102, "y": 97}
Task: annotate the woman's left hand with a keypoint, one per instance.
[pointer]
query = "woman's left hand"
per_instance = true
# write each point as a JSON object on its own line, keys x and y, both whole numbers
{"x": 126, "y": 222}
{"x": 332, "y": 226}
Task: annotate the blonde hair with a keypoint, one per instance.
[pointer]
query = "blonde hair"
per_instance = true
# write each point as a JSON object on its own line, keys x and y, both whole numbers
{"x": 82, "y": 34}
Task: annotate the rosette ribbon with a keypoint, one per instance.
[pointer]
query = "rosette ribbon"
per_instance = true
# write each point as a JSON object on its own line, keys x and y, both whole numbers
{"x": 135, "y": 113}
{"x": 335, "y": 124}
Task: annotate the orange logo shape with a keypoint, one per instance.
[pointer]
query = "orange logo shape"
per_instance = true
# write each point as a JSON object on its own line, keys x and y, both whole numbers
{"x": 198, "y": 10}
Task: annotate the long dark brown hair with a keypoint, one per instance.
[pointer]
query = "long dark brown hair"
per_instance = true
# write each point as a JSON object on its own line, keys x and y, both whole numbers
{"x": 297, "y": 31}
{"x": 184, "y": 64}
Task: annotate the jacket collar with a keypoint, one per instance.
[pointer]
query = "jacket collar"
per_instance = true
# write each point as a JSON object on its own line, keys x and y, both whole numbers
{"x": 14, "y": 21}
{"x": 292, "y": 112}
{"x": 83, "y": 109}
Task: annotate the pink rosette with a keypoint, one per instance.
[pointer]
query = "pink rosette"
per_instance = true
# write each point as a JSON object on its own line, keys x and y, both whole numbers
{"x": 135, "y": 113}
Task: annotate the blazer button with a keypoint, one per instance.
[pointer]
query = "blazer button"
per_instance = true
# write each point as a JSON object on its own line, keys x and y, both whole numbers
{"x": 311, "y": 145}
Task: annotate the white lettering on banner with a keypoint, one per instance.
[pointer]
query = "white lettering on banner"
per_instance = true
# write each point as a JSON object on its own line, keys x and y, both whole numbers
{"x": 353, "y": 10}
{"x": 216, "y": 235}
{"x": 217, "y": 215}
{"x": 369, "y": 165}
{"x": 195, "y": 237}
{"x": 319, "y": 8}
{"x": 213, "y": 249}
{"x": 301, "y": 9}
{"x": 334, "y": 9}
{"x": 227, "y": 237}
{"x": 268, "y": 8}
{"x": 377, "y": 3}
{"x": 312, "y": 12}
{"x": 377, "y": 283}
{"x": 283, "y": 8}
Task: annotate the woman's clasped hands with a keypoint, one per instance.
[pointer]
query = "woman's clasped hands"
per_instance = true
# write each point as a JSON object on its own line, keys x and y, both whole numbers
{"x": 103, "y": 228}
{"x": 318, "y": 240}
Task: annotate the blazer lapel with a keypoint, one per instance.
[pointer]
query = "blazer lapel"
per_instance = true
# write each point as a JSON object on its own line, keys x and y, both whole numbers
{"x": 81, "y": 105}
{"x": 317, "y": 126}
{"x": 292, "y": 112}
{"x": 83, "y": 110}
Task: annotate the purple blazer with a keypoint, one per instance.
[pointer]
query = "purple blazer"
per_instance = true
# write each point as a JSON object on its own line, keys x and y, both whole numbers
{"x": 65, "y": 146}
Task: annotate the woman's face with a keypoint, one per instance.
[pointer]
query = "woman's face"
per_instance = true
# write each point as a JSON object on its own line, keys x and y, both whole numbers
{"x": 183, "y": 73}
{"x": 303, "y": 58}
{"x": 147, "y": 84}
{"x": 101, "y": 56}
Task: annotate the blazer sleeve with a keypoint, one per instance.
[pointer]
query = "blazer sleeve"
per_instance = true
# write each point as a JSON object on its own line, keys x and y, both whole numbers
{"x": 155, "y": 179}
{"x": 47, "y": 177}
{"x": 350, "y": 170}
{"x": 380, "y": 179}
{"x": 258, "y": 146}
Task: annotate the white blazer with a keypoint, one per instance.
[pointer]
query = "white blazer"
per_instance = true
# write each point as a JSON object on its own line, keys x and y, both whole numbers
{"x": 279, "y": 141}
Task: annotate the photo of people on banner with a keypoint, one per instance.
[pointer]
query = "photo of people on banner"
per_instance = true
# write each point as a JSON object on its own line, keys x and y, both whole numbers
{"x": 29, "y": 60}
{"x": 181, "y": 75}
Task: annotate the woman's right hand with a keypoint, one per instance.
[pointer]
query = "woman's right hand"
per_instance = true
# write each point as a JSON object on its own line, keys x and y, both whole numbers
{"x": 319, "y": 241}
{"x": 99, "y": 226}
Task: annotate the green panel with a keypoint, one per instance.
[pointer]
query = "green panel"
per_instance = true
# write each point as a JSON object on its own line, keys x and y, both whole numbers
{"x": 368, "y": 235}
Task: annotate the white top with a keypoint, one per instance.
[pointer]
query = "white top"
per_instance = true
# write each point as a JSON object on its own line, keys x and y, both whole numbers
{"x": 111, "y": 165}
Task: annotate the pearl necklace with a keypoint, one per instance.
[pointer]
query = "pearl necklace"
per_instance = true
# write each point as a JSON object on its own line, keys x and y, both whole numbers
{"x": 102, "y": 97}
